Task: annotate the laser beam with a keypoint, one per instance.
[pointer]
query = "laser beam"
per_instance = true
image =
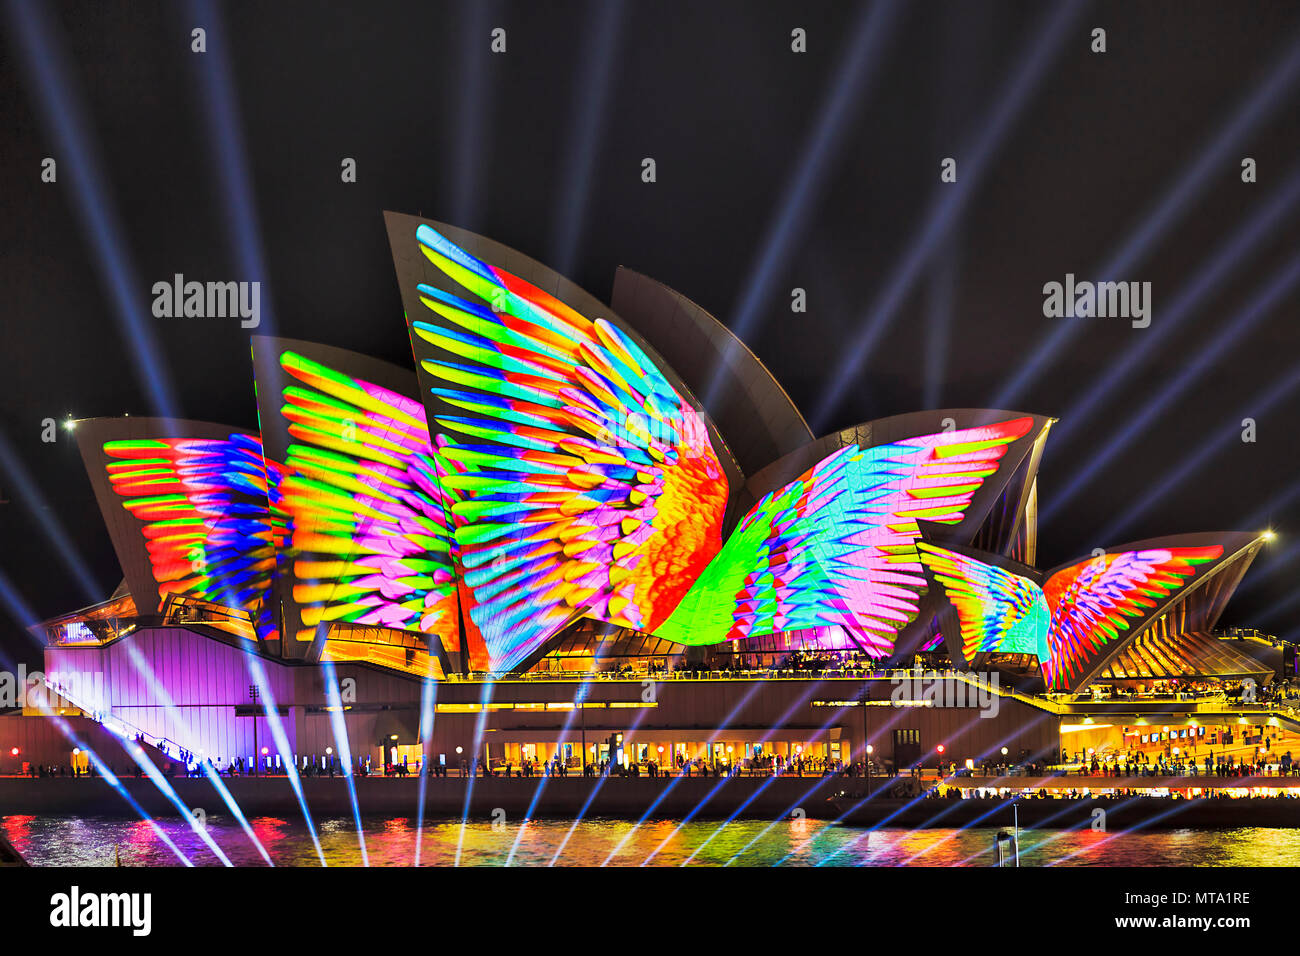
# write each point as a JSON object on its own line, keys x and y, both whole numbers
{"x": 950, "y": 200}
{"x": 49, "y": 72}
{"x": 863, "y": 55}
{"x": 1172, "y": 206}
{"x": 1190, "y": 374}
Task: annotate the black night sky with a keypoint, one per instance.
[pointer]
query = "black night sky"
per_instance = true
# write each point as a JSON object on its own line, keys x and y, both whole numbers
{"x": 1067, "y": 159}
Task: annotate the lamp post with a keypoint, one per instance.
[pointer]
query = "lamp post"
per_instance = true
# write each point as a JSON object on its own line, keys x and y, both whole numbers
{"x": 253, "y": 694}
{"x": 866, "y": 747}
{"x": 870, "y": 749}
{"x": 1015, "y": 822}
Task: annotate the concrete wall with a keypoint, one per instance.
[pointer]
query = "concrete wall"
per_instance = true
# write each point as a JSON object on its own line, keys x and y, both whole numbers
{"x": 41, "y": 742}
{"x": 207, "y": 680}
{"x": 191, "y": 685}
{"x": 779, "y": 713}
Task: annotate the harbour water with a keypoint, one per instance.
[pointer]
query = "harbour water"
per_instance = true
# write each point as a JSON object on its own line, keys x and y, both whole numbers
{"x": 391, "y": 841}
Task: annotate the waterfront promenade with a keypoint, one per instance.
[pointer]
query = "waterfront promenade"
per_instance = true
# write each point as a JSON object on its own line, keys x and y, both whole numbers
{"x": 901, "y": 801}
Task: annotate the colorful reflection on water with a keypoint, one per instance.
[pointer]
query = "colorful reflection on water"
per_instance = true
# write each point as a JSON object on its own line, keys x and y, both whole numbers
{"x": 95, "y": 841}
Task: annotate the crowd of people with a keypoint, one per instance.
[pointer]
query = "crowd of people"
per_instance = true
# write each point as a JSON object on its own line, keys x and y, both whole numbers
{"x": 1141, "y": 764}
{"x": 803, "y": 663}
{"x": 1118, "y": 794}
{"x": 763, "y": 765}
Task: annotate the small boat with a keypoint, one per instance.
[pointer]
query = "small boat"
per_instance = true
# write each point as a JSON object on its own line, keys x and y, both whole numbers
{"x": 8, "y": 855}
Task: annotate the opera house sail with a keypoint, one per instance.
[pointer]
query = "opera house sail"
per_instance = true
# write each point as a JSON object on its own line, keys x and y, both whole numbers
{"x": 543, "y": 495}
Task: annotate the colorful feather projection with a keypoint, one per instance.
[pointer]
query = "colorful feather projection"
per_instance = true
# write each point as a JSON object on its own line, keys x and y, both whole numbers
{"x": 583, "y": 483}
{"x": 837, "y": 546}
{"x": 368, "y": 521}
{"x": 1094, "y": 601}
{"x": 1070, "y": 620}
{"x": 207, "y": 523}
{"x": 999, "y": 611}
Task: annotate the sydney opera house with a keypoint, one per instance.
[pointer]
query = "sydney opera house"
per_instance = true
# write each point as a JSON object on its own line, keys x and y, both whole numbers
{"x": 540, "y": 544}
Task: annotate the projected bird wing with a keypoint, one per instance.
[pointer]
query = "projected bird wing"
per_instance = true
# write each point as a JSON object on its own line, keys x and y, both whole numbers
{"x": 205, "y": 508}
{"x": 998, "y": 610}
{"x": 837, "y": 546}
{"x": 1093, "y": 601}
{"x": 370, "y": 543}
{"x": 584, "y": 482}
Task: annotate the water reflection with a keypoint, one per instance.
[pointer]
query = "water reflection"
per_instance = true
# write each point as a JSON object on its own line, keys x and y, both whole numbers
{"x": 93, "y": 841}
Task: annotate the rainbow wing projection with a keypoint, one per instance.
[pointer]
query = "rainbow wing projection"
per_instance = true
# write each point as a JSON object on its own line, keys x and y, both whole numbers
{"x": 838, "y": 544}
{"x": 1094, "y": 600}
{"x": 998, "y": 611}
{"x": 1071, "y": 619}
{"x": 360, "y": 496}
{"x": 583, "y": 482}
{"x": 544, "y": 465}
{"x": 207, "y": 524}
